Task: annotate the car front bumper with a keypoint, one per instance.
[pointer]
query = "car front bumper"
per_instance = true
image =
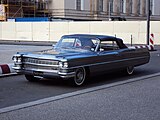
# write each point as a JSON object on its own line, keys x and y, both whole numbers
{"x": 41, "y": 73}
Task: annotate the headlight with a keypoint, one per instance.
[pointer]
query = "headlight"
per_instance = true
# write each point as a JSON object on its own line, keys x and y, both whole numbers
{"x": 17, "y": 59}
{"x": 14, "y": 59}
{"x": 60, "y": 64}
{"x": 63, "y": 64}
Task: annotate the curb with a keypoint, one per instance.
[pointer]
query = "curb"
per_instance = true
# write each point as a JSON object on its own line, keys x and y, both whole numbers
{"x": 6, "y": 70}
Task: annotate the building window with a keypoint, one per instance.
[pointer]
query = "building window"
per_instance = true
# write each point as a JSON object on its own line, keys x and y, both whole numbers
{"x": 111, "y": 6}
{"x": 100, "y": 5}
{"x": 151, "y": 7}
{"x": 131, "y": 3}
{"x": 122, "y": 6}
{"x": 139, "y": 6}
{"x": 78, "y": 4}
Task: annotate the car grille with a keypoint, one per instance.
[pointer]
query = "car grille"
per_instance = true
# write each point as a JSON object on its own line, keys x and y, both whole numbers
{"x": 27, "y": 66}
{"x": 40, "y": 64}
{"x": 40, "y": 61}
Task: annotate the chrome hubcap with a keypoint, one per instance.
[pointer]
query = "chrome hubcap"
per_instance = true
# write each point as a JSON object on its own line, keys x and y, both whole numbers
{"x": 130, "y": 70}
{"x": 80, "y": 76}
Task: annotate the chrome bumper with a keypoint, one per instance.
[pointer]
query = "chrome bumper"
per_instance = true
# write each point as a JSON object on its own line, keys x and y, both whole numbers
{"x": 44, "y": 73}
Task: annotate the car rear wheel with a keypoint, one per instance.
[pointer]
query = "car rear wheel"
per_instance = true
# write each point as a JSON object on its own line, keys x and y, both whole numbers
{"x": 31, "y": 78}
{"x": 130, "y": 70}
{"x": 80, "y": 76}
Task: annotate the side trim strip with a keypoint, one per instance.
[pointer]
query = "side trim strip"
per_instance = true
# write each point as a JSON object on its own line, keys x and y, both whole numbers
{"x": 107, "y": 62}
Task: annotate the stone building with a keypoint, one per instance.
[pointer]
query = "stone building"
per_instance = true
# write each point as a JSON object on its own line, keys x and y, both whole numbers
{"x": 104, "y": 9}
{"x": 80, "y": 9}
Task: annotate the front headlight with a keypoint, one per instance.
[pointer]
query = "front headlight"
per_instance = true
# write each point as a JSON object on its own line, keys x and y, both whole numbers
{"x": 17, "y": 58}
{"x": 63, "y": 64}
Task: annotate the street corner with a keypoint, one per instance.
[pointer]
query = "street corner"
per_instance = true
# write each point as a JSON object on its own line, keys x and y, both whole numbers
{"x": 6, "y": 70}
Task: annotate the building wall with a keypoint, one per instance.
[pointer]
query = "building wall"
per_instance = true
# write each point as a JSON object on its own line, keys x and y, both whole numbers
{"x": 57, "y": 7}
{"x": 52, "y": 31}
{"x": 70, "y": 4}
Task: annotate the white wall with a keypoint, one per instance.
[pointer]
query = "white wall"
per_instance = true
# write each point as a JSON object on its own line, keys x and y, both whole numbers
{"x": 40, "y": 31}
{"x": 52, "y": 31}
{"x": 57, "y": 29}
{"x": 23, "y": 31}
{"x": 8, "y": 31}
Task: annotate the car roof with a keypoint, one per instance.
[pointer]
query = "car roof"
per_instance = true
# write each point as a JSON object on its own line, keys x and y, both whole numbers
{"x": 100, "y": 37}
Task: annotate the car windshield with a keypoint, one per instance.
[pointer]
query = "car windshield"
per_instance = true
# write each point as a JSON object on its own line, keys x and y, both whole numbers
{"x": 75, "y": 43}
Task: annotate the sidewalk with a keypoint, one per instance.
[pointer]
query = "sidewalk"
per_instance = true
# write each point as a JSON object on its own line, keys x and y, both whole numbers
{"x": 34, "y": 43}
{"x": 133, "y": 99}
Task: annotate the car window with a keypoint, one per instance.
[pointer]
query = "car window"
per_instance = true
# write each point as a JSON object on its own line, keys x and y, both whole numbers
{"x": 108, "y": 45}
{"x": 78, "y": 43}
{"x": 67, "y": 42}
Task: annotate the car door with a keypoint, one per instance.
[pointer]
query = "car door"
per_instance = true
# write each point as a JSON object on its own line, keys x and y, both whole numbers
{"x": 108, "y": 57}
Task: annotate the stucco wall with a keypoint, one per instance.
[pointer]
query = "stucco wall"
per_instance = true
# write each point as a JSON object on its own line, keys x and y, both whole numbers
{"x": 52, "y": 31}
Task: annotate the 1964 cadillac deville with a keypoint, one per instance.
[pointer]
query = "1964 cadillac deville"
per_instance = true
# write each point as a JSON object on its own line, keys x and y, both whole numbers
{"x": 78, "y": 56}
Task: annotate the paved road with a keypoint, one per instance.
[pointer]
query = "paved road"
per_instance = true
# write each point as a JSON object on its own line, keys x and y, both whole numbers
{"x": 7, "y": 51}
{"x": 16, "y": 90}
{"x": 138, "y": 99}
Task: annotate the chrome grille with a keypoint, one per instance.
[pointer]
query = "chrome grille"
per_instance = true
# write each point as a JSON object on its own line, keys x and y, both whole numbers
{"x": 27, "y": 66}
{"x": 40, "y": 61}
{"x": 40, "y": 64}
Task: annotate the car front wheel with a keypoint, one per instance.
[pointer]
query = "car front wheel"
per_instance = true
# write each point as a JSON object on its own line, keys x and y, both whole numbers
{"x": 130, "y": 70}
{"x": 80, "y": 76}
{"x": 31, "y": 78}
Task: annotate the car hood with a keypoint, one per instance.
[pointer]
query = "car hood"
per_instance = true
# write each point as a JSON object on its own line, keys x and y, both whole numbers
{"x": 59, "y": 54}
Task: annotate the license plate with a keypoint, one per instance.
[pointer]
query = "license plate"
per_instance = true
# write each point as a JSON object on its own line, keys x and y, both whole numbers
{"x": 37, "y": 73}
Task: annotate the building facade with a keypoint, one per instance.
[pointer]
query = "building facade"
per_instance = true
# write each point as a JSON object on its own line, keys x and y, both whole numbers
{"x": 80, "y": 9}
{"x": 104, "y": 9}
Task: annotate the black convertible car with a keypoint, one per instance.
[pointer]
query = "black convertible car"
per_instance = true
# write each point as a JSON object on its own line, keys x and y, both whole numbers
{"x": 77, "y": 56}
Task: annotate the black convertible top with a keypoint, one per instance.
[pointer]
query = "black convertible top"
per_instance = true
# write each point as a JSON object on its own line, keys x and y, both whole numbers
{"x": 101, "y": 38}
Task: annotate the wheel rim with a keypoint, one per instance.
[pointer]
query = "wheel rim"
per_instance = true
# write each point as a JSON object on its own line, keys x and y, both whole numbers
{"x": 80, "y": 76}
{"x": 130, "y": 70}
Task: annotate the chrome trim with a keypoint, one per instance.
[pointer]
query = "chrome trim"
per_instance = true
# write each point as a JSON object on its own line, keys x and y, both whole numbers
{"x": 16, "y": 68}
{"x": 66, "y": 75}
{"x": 71, "y": 73}
{"x": 36, "y": 64}
{"x": 42, "y": 70}
{"x": 97, "y": 46}
{"x": 39, "y": 61}
{"x": 94, "y": 63}
{"x": 106, "y": 62}
{"x": 18, "y": 63}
